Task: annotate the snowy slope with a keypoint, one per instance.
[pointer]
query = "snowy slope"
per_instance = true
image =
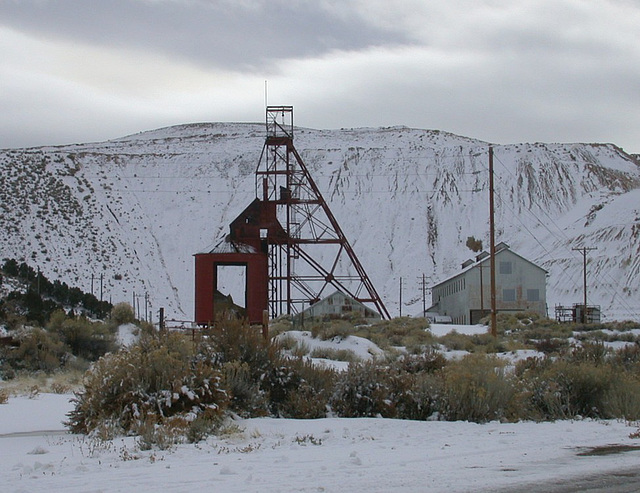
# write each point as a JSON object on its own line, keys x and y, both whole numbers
{"x": 135, "y": 209}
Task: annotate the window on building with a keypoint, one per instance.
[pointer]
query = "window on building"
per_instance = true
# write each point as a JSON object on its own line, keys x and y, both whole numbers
{"x": 533, "y": 295}
{"x": 508, "y": 295}
{"x": 505, "y": 267}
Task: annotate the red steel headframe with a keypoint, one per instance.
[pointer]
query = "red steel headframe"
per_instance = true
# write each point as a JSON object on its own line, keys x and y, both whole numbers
{"x": 314, "y": 253}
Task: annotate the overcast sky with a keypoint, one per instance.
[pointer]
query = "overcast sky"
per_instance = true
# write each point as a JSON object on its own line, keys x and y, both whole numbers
{"x": 505, "y": 71}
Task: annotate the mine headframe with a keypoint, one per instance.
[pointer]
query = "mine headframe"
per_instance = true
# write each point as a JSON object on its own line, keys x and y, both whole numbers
{"x": 308, "y": 251}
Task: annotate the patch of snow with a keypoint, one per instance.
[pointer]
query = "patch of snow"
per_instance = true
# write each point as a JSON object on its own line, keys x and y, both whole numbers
{"x": 444, "y": 329}
{"x": 454, "y": 354}
{"x": 361, "y": 347}
{"x": 329, "y": 363}
{"x": 331, "y": 454}
{"x": 615, "y": 345}
{"x": 127, "y": 334}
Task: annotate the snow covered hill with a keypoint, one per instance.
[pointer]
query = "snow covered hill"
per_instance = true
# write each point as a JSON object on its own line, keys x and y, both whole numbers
{"x": 134, "y": 210}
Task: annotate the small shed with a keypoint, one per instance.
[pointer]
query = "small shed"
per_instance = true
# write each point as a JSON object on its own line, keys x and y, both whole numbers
{"x": 336, "y": 304}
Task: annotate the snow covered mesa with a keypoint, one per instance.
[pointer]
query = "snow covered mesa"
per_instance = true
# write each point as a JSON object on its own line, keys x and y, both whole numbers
{"x": 135, "y": 209}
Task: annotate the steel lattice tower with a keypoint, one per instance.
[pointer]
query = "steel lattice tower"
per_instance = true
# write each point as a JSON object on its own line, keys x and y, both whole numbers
{"x": 314, "y": 253}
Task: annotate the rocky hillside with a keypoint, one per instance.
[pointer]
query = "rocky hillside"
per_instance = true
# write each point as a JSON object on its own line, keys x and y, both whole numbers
{"x": 135, "y": 209}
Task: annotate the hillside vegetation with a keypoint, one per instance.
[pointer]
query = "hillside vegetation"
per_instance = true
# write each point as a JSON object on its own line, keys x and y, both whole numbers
{"x": 47, "y": 325}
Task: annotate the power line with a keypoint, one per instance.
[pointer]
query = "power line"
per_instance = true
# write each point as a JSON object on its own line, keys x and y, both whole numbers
{"x": 326, "y": 191}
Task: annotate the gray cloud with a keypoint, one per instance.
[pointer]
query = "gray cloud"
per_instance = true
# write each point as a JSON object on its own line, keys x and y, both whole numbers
{"x": 561, "y": 71}
{"x": 226, "y": 34}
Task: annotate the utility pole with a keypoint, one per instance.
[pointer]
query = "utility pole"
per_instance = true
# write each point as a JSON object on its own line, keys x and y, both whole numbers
{"x": 401, "y": 296}
{"x": 481, "y": 267}
{"x": 424, "y": 295}
{"x": 584, "y": 251}
{"x": 492, "y": 248}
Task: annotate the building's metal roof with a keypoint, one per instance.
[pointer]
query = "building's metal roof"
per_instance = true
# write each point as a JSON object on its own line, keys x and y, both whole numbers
{"x": 226, "y": 245}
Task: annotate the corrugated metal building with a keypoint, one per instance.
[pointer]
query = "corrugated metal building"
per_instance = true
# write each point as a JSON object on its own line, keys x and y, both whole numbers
{"x": 466, "y": 297}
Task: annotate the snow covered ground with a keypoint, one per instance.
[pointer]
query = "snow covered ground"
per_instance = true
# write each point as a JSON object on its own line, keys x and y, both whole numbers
{"x": 443, "y": 329}
{"x": 333, "y": 454}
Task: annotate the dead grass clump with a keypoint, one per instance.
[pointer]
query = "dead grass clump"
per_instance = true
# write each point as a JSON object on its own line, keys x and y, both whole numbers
{"x": 335, "y": 354}
{"x": 551, "y": 345}
{"x": 404, "y": 331}
{"x": 332, "y": 328}
{"x": 454, "y": 341}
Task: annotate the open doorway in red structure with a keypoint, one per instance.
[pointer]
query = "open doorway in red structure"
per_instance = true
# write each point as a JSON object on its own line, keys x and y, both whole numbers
{"x": 252, "y": 290}
{"x": 230, "y": 295}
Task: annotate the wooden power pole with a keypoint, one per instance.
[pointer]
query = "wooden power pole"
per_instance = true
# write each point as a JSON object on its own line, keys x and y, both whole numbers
{"x": 492, "y": 248}
{"x": 584, "y": 251}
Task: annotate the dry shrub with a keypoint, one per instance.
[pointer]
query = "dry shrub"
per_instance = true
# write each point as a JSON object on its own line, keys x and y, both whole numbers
{"x": 260, "y": 380}
{"x": 372, "y": 389}
{"x": 38, "y": 351}
{"x": 286, "y": 342}
{"x": 245, "y": 396}
{"x": 404, "y": 331}
{"x": 162, "y": 435}
{"x": 622, "y": 399}
{"x": 627, "y": 357}
{"x": 551, "y": 345}
{"x": 310, "y": 398}
{"x": 429, "y": 361}
{"x": 477, "y": 389}
{"x": 122, "y": 313}
{"x": 593, "y": 353}
{"x": 280, "y": 382}
{"x": 86, "y": 339}
{"x": 578, "y": 384}
{"x": 426, "y": 397}
{"x": 280, "y": 325}
{"x": 149, "y": 382}
{"x": 235, "y": 340}
{"x": 455, "y": 341}
{"x": 332, "y": 328}
{"x": 59, "y": 388}
{"x": 363, "y": 390}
